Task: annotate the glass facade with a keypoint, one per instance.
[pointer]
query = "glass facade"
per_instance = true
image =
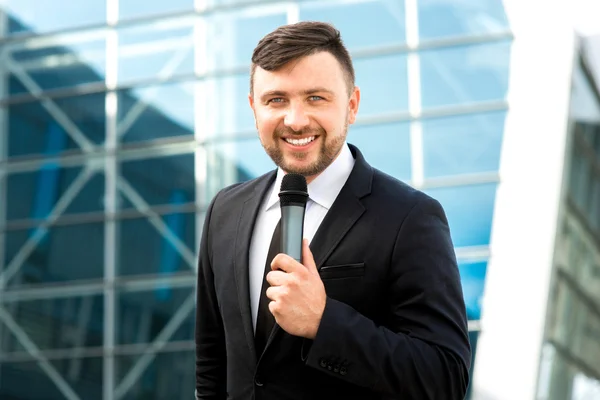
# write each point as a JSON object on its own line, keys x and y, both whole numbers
{"x": 570, "y": 366}
{"x": 119, "y": 120}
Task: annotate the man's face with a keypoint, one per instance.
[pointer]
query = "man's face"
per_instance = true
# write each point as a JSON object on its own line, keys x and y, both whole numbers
{"x": 302, "y": 112}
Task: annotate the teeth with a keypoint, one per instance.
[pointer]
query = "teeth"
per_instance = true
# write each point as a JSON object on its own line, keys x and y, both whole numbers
{"x": 300, "y": 142}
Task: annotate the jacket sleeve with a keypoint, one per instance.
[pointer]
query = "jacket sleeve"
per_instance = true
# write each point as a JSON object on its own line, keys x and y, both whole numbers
{"x": 423, "y": 351}
{"x": 210, "y": 342}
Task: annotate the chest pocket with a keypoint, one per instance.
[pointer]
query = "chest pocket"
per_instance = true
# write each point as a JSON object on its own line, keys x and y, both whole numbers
{"x": 342, "y": 271}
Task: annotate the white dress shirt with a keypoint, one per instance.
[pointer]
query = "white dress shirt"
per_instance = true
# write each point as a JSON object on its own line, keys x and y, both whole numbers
{"x": 322, "y": 192}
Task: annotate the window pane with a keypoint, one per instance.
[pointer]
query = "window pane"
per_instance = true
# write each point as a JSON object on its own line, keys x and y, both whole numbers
{"x": 139, "y": 8}
{"x": 153, "y": 112}
{"x": 34, "y": 195}
{"x": 164, "y": 180}
{"x": 467, "y": 74}
{"x": 160, "y": 49}
{"x": 63, "y": 323}
{"x": 71, "y": 123}
{"x": 441, "y": 18}
{"x": 472, "y": 276}
{"x": 462, "y": 144}
{"x": 383, "y": 83}
{"x": 381, "y": 21}
{"x": 143, "y": 315}
{"x": 64, "y": 253}
{"x": 469, "y": 210}
{"x": 235, "y": 161}
{"x": 168, "y": 376}
{"x": 27, "y": 380}
{"x": 65, "y": 61}
{"x": 44, "y": 15}
{"x": 386, "y": 147}
{"x": 239, "y": 33}
{"x": 161, "y": 245}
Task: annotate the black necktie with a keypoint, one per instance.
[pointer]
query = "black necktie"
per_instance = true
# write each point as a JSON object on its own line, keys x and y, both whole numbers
{"x": 265, "y": 320}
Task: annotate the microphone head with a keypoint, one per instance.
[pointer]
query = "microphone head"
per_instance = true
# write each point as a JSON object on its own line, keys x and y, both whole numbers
{"x": 293, "y": 190}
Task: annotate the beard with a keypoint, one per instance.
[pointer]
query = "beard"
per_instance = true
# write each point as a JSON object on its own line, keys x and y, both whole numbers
{"x": 328, "y": 150}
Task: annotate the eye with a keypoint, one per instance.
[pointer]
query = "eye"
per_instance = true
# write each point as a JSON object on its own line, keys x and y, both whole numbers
{"x": 275, "y": 100}
{"x": 314, "y": 98}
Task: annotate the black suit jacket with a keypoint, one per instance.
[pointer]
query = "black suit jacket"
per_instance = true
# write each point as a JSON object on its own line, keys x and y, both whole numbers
{"x": 394, "y": 325}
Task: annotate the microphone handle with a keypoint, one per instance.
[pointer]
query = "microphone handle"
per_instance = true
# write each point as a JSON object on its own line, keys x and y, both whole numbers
{"x": 292, "y": 231}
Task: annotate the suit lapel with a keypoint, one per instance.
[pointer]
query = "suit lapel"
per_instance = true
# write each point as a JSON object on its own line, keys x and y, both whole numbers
{"x": 243, "y": 238}
{"x": 345, "y": 211}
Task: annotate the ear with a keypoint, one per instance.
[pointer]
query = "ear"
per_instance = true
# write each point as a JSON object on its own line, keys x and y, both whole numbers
{"x": 251, "y": 102}
{"x": 353, "y": 104}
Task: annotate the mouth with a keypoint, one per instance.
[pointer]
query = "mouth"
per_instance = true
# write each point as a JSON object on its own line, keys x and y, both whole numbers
{"x": 300, "y": 142}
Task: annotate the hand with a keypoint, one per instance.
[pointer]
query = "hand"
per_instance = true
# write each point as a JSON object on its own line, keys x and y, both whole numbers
{"x": 297, "y": 293}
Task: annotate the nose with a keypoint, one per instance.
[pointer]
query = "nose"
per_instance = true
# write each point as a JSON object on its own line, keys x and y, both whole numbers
{"x": 296, "y": 117}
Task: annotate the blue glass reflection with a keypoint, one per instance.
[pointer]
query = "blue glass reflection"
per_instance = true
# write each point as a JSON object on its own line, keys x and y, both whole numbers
{"x": 143, "y": 315}
{"x": 383, "y": 83}
{"x": 169, "y": 376}
{"x": 155, "y": 179}
{"x": 143, "y": 248}
{"x": 81, "y": 119}
{"x": 361, "y": 24}
{"x": 462, "y": 144}
{"x": 141, "y": 8}
{"x": 35, "y": 194}
{"x": 469, "y": 210}
{"x": 70, "y": 60}
{"x": 237, "y": 161}
{"x": 156, "y": 50}
{"x": 27, "y": 380}
{"x": 63, "y": 323}
{"x": 247, "y": 30}
{"x": 66, "y": 253}
{"x": 45, "y": 16}
{"x": 472, "y": 276}
{"x": 154, "y": 112}
{"x": 441, "y": 18}
{"x": 465, "y": 74}
{"x": 385, "y": 146}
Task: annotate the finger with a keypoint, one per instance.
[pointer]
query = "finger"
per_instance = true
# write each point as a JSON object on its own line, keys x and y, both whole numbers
{"x": 307, "y": 257}
{"x": 285, "y": 263}
{"x": 277, "y": 278}
{"x": 273, "y": 292}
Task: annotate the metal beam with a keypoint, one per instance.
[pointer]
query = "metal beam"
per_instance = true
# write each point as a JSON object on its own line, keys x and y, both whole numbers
{"x": 61, "y": 118}
{"x": 139, "y": 203}
{"x": 164, "y": 74}
{"x": 34, "y": 351}
{"x": 42, "y": 230}
{"x": 140, "y": 366}
{"x": 66, "y": 290}
{"x": 111, "y": 204}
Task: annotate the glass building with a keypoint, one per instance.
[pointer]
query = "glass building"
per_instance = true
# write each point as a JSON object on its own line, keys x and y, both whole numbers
{"x": 120, "y": 119}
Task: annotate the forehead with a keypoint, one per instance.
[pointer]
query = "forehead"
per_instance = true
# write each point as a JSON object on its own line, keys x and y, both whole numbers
{"x": 317, "y": 70}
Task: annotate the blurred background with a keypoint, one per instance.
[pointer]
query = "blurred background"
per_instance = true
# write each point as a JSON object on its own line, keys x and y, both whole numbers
{"x": 120, "y": 119}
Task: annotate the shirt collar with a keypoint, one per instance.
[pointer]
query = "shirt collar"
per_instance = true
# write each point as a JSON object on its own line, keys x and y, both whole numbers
{"x": 325, "y": 187}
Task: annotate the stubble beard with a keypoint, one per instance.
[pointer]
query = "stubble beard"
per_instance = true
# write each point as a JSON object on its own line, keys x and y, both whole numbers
{"x": 328, "y": 151}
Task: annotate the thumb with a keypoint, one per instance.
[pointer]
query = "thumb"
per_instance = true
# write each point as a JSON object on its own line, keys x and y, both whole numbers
{"x": 307, "y": 257}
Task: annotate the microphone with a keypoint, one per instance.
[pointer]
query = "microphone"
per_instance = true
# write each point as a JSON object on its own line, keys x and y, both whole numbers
{"x": 292, "y": 200}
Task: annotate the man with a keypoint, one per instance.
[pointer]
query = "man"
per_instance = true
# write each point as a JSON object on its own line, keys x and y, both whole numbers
{"x": 375, "y": 309}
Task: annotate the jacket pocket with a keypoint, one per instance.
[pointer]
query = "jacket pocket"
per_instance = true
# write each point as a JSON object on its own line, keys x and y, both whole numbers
{"x": 342, "y": 271}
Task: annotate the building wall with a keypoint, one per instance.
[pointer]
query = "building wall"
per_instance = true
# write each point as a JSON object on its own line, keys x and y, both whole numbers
{"x": 119, "y": 120}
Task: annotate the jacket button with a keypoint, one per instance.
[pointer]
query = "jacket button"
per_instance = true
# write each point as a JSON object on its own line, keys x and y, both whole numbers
{"x": 323, "y": 363}
{"x": 343, "y": 371}
{"x": 258, "y": 382}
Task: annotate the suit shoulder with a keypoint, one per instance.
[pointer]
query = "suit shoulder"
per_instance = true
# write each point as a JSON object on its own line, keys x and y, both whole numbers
{"x": 397, "y": 191}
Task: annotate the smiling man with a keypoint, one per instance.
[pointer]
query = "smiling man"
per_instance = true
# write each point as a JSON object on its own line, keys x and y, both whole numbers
{"x": 375, "y": 309}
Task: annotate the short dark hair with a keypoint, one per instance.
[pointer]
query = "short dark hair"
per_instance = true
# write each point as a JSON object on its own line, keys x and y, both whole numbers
{"x": 294, "y": 41}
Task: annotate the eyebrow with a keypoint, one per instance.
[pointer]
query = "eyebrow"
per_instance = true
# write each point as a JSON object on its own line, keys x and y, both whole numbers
{"x": 273, "y": 93}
